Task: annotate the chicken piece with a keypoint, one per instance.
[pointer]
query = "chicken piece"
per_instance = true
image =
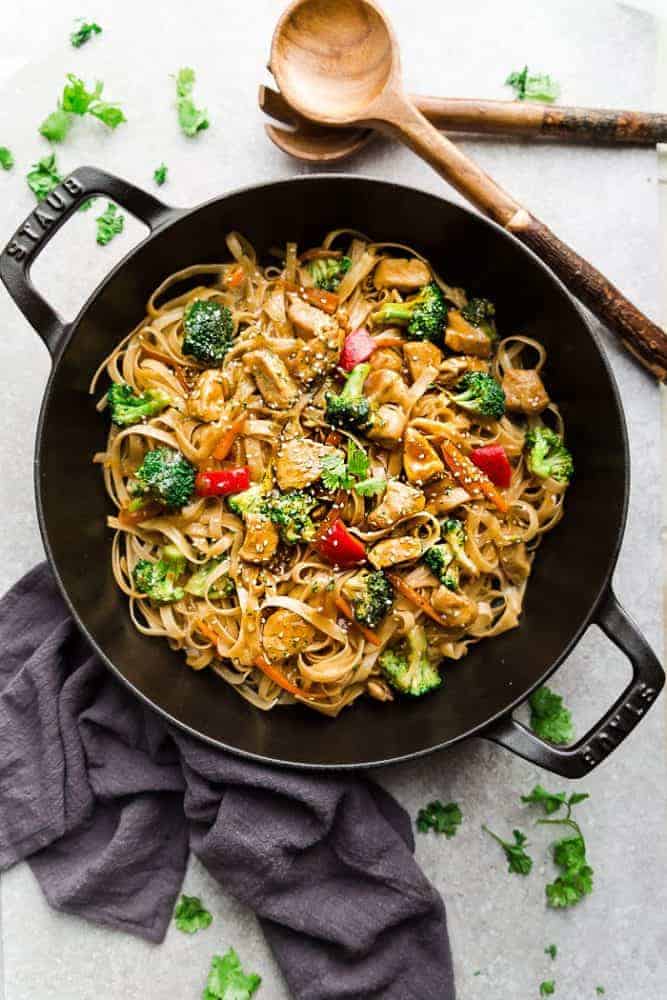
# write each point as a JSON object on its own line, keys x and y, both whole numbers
{"x": 320, "y": 355}
{"x": 452, "y": 369}
{"x": 515, "y": 562}
{"x": 207, "y": 400}
{"x": 273, "y": 380}
{"x": 261, "y": 539}
{"x": 472, "y": 341}
{"x": 299, "y": 462}
{"x": 394, "y": 550}
{"x": 389, "y": 424}
{"x": 457, "y": 610}
{"x": 406, "y": 275}
{"x": 420, "y": 355}
{"x": 286, "y": 634}
{"x": 420, "y": 459}
{"x": 386, "y": 387}
{"x": 399, "y": 501}
{"x": 307, "y": 320}
{"x": 524, "y": 391}
{"x": 445, "y": 497}
{"x": 385, "y": 359}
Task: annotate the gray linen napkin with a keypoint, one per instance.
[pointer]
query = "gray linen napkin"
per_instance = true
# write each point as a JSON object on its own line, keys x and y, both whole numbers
{"x": 105, "y": 801}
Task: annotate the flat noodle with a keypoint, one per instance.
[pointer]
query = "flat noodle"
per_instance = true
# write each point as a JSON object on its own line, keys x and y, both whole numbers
{"x": 225, "y": 625}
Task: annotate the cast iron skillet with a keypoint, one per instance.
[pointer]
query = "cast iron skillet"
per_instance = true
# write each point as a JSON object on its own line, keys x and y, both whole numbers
{"x": 570, "y": 586}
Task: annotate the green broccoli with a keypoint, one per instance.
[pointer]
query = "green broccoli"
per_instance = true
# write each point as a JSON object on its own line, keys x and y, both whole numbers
{"x": 547, "y": 455}
{"x": 327, "y": 272}
{"x": 351, "y": 409}
{"x": 481, "y": 313}
{"x": 199, "y": 584}
{"x": 441, "y": 562}
{"x": 165, "y": 476}
{"x": 158, "y": 580}
{"x": 128, "y": 407}
{"x": 251, "y": 501}
{"x": 453, "y": 533}
{"x": 290, "y": 512}
{"x": 479, "y": 393}
{"x": 407, "y": 666}
{"x": 208, "y": 330}
{"x": 424, "y": 315}
{"x": 371, "y": 595}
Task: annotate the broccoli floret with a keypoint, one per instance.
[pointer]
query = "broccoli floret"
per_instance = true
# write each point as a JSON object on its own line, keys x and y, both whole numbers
{"x": 290, "y": 512}
{"x": 351, "y": 409}
{"x": 547, "y": 455}
{"x": 424, "y": 315}
{"x": 249, "y": 502}
{"x": 441, "y": 562}
{"x": 481, "y": 313}
{"x": 328, "y": 272}
{"x": 158, "y": 580}
{"x": 128, "y": 407}
{"x": 208, "y": 330}
{"x": 479, "y": 393}
{"x": 371, "y": 595}
{"x": 199, "y": 586}
{"x": 407, "y": 666}
{"x": 453, "y": 533}
{"x": 165, "y": 476}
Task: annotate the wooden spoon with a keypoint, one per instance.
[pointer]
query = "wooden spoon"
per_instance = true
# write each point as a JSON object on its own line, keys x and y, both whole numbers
{"x": 337, "y": 64}
{"x": 316, "y": 144}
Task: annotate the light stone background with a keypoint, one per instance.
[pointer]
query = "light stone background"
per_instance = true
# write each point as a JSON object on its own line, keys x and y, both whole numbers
{"x": 604, "y": 202}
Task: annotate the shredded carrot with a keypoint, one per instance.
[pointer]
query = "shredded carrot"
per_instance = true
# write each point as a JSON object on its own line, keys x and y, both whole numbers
{"x": 346, "y": 610}
{"x": 226, "y": 442}
{"x": 333, "y": 438}
{"x": 333, "y": 515}
{"x": 411, "y": 595}
{"x": 326, "y": 301}
{"x": 471, "y": 478}
{"x": 278, "y": 677}
{"x": 208, "y": 632}
{"x": 165, "y": 359}
{"x": 130, "y": 518}
{"x": 235, "y": 277}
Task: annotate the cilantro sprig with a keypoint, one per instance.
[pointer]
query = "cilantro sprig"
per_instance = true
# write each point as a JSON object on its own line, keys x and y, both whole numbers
{"x": 351, "y": 474}
{"x": 549, "y": 718}
{"x": 576, "y": 875}
{"x": 160, "y": 174}
{"x": 6, "y": 158}
{"x": 520, "y": 862}
{"x": 83, "y": 32}
{"x": 190, "y": 916}
{"x": 43, "y": 176}
{"x": 191, "y": 119}
{"x": 228, "y": 981}
{"x": 533, "y": 86}
{"x": 109, "y": 224}
{"x": 440, "y": 818}
{"x": 78, "y": 100}
{"x": 551, "y": 950}
{"x": 547, "y": 988}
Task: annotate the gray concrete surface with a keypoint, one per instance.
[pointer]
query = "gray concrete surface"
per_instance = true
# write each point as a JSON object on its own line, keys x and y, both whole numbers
{"x": 605, "y": 203}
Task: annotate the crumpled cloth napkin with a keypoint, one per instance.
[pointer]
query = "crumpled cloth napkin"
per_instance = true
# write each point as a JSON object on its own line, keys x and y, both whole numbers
{"x": 105, "y": 800}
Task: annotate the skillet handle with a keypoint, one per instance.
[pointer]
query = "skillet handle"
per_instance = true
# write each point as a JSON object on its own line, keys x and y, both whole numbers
{"x": 45, "y": 220}
{"x": 648, "y": 678}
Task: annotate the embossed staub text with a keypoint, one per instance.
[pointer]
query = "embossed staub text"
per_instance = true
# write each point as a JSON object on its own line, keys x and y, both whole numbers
{"x": 44, "y": 218}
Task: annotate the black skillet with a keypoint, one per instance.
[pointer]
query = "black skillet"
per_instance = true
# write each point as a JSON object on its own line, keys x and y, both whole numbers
{"x": 570, "y": 586}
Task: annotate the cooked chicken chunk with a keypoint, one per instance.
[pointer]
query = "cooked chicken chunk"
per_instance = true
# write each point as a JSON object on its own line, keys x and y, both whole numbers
{"x": 406, "y": 275}
{"x": 319, "y": 355}
{"x": 207, "y": 399}
{"x": 457, "y": 610}
{"x": 386, "y": 359}
{"x": 524, "y": 391}
{"x": 420, "y": 355}
{"x": 389, "y": 424}
{"x": 286, "y": 634}
{"x": 451, "y": 369}
{"x": 514, "y": 560}
{"x": 399, "y": 500}
{"x": 261, "y": 539}
{"x": 306, "y": 319}
{"x": 470, "y": 342}
{"x": 299, "y": 462}
{"x": 273, "y": 380}
{"x": 386, "y": 387}
{"x": 445, "y": 497}
{"x": 420, "y": 459}
{"x": 394, "y": 550}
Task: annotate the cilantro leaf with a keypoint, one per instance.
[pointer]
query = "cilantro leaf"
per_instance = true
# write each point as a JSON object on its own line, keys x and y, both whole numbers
{"x": 190, "y": 916}
{"x": 6, "y": 158}
{"x": 551, "y": 950}
{"x": 339, "y": 474}
{"x": 519, "y": 861}
{"x": 369, "y": 487}
{"x": 43, "y": 176}
{"x": 533, "y": 86}
{"x": 56, "y": 125}
{"x": 334, "y": 473}
{"x": 160, "y": 174}
{"x": 83, "y": 31}
{"x": 109, "y": 224}
{"x": 78, "y": 100}
{"x": 227, "y": 980}
{"x": 190, "y": 118}
{"x": 551, "y": 801}
{"x": 600, "y": 990}
{"x": 88, "y": 203}
{"x": 441, "y": 819}
{"x": 549, "y": 719}
{"x": 576, "y": 878}
{"x": 357, "y": 460}
{"x": 547, "y": 988}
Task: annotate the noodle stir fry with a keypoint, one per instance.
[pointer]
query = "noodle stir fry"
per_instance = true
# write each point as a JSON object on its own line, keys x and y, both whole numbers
{"x": 331, "y": 473}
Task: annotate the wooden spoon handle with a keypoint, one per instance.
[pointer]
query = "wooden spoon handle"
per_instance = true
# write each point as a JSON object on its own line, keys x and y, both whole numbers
{"x": 637, "y": 332}
{"x": 547, "y": 120}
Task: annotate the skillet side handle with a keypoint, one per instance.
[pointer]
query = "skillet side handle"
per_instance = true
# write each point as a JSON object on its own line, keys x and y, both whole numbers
{"x": 648, "y": 678}
{"x": 45, "y": 220}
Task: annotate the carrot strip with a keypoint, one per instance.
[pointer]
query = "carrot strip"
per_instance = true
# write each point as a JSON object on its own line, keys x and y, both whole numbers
{"x": 326, "y": 301}
{"x": 278, "y": 677}
{"x": 235, "y": 277}
{"x": 208, "y": 632}
{"x": 471, "y": 478}
{"x": 224, "y": 445}
{"x": 346, "y": 610}
{"x": 411, "y": 595}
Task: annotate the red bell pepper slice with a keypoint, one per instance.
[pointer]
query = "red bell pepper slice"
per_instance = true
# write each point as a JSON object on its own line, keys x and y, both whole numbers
{"x": 221, "y": 483}
{"x": 358, "y": 347}
{"x": 492, "y": 459}
{"x": 339, "y": 547}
